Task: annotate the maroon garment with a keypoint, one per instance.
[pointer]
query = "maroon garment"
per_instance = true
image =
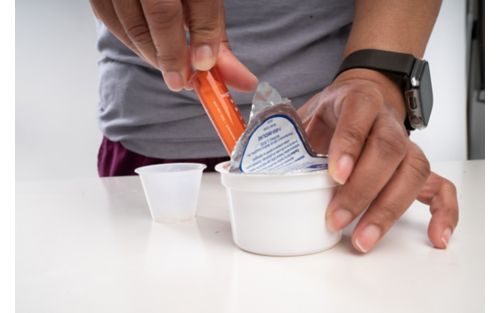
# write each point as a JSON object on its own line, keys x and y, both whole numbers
{"x": 115, "y": 160}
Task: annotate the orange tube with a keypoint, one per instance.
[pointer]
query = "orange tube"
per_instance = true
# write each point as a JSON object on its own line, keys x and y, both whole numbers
{"x": 220, "y": 107}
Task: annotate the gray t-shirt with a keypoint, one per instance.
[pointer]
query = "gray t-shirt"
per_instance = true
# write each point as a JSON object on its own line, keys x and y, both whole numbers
{"x": 294, "y": 45}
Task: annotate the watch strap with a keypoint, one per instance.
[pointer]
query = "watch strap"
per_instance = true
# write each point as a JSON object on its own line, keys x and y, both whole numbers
{"x": 393, "y": 63}
{"x": 408, "y": 125}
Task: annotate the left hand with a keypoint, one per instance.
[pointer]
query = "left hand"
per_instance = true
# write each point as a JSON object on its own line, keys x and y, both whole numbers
{"x": 359, "y": 122}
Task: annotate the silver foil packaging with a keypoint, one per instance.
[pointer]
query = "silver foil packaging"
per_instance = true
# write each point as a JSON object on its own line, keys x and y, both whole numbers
{"x": 274, "y": 141}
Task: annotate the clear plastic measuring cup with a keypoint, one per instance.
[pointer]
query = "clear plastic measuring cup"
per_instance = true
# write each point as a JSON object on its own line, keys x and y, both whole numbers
{"x": 171, "y": 190}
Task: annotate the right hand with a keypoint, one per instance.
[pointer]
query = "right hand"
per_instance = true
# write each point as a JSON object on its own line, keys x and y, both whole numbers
{"x": 156, "y": 31}
{"x": 358, "y": 121}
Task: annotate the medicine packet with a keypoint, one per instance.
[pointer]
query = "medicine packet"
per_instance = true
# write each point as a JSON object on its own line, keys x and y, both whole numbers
{"x": 274, "y": 141}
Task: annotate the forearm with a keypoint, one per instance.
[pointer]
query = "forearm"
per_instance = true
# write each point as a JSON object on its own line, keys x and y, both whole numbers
{"x": 395, "y": 25}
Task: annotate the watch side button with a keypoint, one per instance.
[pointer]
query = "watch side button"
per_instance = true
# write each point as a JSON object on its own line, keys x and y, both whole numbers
{"x": 413, "y": 103}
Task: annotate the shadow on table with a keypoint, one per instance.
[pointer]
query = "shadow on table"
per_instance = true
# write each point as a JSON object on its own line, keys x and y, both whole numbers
{"x": 215, "y": 232}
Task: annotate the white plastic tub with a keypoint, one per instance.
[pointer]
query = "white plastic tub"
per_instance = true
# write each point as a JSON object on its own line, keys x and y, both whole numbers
{"x": 281, "y": 215}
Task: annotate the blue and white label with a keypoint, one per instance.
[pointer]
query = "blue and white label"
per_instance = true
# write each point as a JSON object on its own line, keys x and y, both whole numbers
{"x": 276, "y": 146}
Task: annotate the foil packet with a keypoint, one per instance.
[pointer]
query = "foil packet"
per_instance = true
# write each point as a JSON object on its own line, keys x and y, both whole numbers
{"x": 274, "y": 141}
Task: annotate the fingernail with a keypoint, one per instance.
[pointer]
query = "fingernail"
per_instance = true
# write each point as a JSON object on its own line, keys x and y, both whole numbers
{"x": 342, "y": 168}
{"x": 189, "y": 85}
{"x": 339, "y": 219}
{"x": 445, "y": 238}
{"x": 174, "y": 81}
{"x": 204, "y": 58}
{"x": 368, "y": 238}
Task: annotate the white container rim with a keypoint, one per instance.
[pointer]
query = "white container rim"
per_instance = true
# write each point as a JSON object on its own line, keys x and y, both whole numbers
{"x": 170, "y": 168}
{"x": 223, "y": 168}
{"x": 257, "y": 182}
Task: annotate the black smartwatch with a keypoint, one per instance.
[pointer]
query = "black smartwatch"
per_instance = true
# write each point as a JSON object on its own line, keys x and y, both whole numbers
{"x": 413, "y": 74}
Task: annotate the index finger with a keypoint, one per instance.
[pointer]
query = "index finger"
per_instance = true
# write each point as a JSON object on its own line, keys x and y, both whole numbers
{"x": 358, "y": 113}
{"x": 166, "y": 23}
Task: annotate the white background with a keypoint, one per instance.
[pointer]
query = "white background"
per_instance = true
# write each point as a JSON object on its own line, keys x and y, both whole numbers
{"x": 56, "y": 89}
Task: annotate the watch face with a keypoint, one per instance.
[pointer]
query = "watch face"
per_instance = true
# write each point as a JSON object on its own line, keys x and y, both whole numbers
{"x": 425, "y": 91}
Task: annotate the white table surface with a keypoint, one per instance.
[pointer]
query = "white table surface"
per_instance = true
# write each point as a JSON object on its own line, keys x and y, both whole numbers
{"x": 90, "y": 246}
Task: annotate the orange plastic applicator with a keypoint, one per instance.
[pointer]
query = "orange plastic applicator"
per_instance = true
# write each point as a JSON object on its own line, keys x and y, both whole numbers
{"x": 220, "y": 107}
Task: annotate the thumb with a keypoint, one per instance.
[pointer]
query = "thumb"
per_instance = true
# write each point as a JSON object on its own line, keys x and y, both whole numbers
{"x": 209, "y": 44}
{"x": 234, "y": 72}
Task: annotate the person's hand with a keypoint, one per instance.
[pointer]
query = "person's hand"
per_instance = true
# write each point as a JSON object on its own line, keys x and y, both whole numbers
{"x": 441, "y": 196}
{"x": 359, "y": 122}
{"x": 156, "y": 31}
